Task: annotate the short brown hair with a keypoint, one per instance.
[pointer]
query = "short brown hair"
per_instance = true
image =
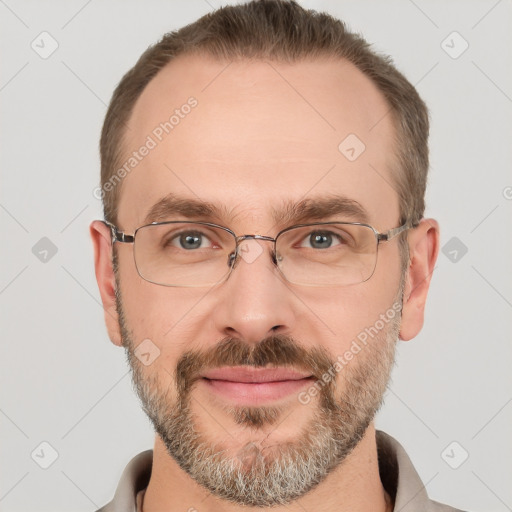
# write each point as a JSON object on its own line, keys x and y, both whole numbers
{"x": 278, "y": 30}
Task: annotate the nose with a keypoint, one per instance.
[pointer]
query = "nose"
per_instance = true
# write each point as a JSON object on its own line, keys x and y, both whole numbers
{"x": 255, "y": 301}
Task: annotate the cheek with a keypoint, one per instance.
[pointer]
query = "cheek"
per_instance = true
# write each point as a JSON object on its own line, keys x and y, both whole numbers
{"x": 163, "y": 315}
{"x": 338, "y": 315}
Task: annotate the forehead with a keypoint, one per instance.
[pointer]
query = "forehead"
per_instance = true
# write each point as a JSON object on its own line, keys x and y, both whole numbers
{"x": 250, "y": 136}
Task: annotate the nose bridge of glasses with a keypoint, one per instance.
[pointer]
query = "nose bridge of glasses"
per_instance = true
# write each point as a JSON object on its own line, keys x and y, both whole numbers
{"x": 241, "y": 238}
{"x": 249, "y": 252}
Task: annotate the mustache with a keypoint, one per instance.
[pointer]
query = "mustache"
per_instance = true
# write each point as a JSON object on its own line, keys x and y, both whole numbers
{"x": 275, "y": 350}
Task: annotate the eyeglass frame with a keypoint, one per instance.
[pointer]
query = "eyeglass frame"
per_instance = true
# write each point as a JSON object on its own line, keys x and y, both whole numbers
{"x": 122, "y": 237}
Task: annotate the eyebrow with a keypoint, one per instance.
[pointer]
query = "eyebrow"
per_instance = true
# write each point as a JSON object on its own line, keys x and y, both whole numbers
{"x": 321, "y": 208}
{"x": 307, "y": 210}
{"x": 173, "y": 205}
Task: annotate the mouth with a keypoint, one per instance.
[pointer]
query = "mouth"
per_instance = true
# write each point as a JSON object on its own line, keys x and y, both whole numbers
{"x": 245, "y": 385}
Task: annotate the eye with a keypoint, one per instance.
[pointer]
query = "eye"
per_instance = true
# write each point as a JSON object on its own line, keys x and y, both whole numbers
{"x": 322, "y": 240}
{"x": 189, "y": 240}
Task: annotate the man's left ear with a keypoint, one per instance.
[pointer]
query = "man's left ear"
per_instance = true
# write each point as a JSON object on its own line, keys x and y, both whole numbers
{"x": 423, "y": 250}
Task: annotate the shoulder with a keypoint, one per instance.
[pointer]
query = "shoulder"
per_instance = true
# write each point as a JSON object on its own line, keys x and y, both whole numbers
{"x": 135, "y": 477}
{"x": 435, "y": 506}
{"x": 401, "y": 480}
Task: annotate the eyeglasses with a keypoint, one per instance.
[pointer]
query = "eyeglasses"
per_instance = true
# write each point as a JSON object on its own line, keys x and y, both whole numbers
{"x": 196, "y": 254}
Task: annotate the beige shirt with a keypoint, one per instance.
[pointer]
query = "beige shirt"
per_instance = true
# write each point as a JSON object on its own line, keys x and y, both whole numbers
{"x": 397, "y": 474}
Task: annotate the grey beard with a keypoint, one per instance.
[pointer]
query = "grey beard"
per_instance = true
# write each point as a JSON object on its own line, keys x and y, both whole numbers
{"x": 264, "y": 476}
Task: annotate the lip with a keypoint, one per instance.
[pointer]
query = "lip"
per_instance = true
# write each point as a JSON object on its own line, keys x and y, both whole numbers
{"x": 254, "y": 386}
{"x": 252, "y": 375}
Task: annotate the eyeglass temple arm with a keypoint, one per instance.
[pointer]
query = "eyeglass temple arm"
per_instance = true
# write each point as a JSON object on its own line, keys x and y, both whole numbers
{"x": 119, "y": 236}
{"x": 394, "y": 232}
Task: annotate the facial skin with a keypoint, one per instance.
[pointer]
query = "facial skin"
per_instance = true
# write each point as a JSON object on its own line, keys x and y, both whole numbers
{"x": 261, "y": 135}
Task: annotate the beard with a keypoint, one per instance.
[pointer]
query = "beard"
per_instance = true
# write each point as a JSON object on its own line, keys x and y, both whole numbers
{"x": 260, "y": 473}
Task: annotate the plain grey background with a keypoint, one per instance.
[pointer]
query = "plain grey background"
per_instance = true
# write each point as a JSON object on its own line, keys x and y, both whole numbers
{"x": 65, "y": 384}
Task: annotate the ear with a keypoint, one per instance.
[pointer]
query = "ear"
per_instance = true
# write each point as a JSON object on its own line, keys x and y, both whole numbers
{"x": 423, "y": 250}
{"x": 102, "y": 241}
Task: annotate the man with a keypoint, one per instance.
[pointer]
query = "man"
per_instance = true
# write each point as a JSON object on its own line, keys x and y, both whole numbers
{"x": 264, "y": 247}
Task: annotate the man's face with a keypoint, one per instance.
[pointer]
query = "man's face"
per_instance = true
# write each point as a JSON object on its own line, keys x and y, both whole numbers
{"x": 263, "y": 135}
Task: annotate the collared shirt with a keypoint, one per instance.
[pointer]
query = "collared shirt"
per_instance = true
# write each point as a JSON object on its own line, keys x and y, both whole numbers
{"x": 397, "y": 474}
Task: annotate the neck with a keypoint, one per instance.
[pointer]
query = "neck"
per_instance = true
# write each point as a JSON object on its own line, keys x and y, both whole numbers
{"x": 354, "y": 485}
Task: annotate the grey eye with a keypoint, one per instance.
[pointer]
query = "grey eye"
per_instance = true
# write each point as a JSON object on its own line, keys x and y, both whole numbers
{"x": 321, "y": 240}
{"x": 190, "y": 241}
